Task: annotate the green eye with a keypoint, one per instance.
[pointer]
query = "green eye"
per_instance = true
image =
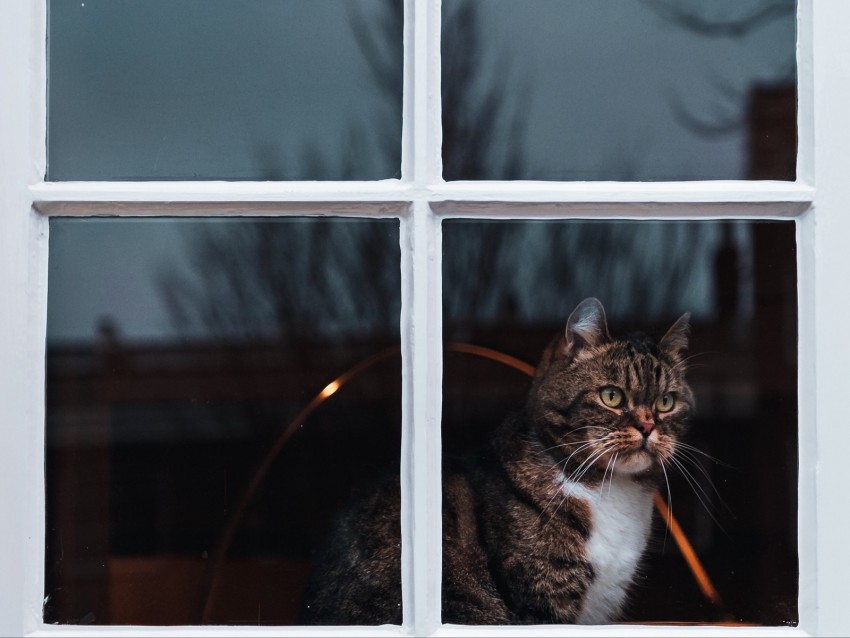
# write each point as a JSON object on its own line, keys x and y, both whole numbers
{"x": 611, "y": 396}
{"x": 665, "y": 402}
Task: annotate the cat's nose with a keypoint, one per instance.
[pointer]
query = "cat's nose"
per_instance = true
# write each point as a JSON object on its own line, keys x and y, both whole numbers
{"x": 644, "y": 420}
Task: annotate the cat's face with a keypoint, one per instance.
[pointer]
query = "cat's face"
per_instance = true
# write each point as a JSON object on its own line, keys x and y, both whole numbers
{"x": 603, "y": 405}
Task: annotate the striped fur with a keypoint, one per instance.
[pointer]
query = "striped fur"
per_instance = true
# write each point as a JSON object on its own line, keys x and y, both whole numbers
{"x": 548, "y": 522}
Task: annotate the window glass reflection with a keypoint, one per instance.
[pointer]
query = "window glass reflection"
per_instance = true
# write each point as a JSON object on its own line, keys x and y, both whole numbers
{"x": 509, "y": 287}
{"x": 210, "y": 89}
{"x": 186, "y": 483}
{"x": 628, "y": 90}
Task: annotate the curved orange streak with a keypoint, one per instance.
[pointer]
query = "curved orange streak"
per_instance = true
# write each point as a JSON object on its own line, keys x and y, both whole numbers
{"x": 212, "y": 578}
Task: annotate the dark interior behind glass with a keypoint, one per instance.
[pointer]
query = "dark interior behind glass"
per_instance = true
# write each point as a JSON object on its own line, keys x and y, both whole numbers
{"x": 510, "y": 286}
{"x": 175, "y": 370}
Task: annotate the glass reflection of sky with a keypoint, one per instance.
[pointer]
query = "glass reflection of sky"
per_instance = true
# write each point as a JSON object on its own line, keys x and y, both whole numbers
{"x": 213, "y": 89}
{"x": 163, "y": 278}
{"x": 616, "y": 90}
{"x": 223, "y": 278}
{"x": 578, "y": 90}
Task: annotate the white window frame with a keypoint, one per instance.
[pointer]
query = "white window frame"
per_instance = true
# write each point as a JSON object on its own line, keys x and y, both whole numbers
{"x": 819, "y": 202}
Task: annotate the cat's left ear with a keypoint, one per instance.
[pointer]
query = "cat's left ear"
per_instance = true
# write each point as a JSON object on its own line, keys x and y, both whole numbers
{"x": 675, "y": 342}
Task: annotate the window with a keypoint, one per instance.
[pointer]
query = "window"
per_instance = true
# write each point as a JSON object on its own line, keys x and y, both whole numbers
{"x": 184, "y": 440}
{"x": 431, "y": 213}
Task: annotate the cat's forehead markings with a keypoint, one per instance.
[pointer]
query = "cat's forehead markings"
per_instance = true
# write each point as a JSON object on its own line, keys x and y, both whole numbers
{"x": 586, "y": 354}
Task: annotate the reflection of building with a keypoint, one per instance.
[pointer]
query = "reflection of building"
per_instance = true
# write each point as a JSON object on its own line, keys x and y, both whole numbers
{"x": 150, "y": 446}
{"x": 772, "y": 133}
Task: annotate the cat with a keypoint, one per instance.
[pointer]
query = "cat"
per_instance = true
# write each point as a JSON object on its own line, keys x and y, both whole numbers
{"x": 548, "y": 523}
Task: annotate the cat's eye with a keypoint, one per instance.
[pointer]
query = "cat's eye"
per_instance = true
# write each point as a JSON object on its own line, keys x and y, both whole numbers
{"x": 665, "y": 402}
{"x": 611, "y": 396}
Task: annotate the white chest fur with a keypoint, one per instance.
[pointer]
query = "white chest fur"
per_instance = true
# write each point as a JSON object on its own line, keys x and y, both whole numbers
{"x": 622, "y": 515}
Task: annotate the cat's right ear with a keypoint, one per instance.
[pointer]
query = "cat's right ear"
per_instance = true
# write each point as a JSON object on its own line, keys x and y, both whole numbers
{"x": 586, "y": 328}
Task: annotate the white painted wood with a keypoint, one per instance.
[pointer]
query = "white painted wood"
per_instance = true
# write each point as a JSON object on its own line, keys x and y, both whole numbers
{"x": 376, "y": 209}
{"x": 22, "y": 315}
{"x": 93, "y": 631}
{"x": 805, "y": 94}
{"x": 425, "y": 390}
{"x": 408, "y": 422}
{"x": 241, "y": 192}
{"x": 824, "y": 161}
{"x": 427, "y": 101}
{"x": 832, "y": 308}
{"x": 48, "y": 195}
{"x": 807, "y": 417}
{"x": 619, "y": 210}
{"x": 621, "y": 631}
{"x": 642, "y": 192}
{"x": 407, "y": 93}
{"x": 446, "y": 209}
{"x": 423, "y": 386}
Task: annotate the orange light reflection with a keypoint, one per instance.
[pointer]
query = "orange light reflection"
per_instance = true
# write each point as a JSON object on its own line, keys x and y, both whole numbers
{"x": 330, "y": 388}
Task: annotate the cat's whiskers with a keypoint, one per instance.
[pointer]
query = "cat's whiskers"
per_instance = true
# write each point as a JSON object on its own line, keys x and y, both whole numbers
{"x": 685, "y": 455}
{"x": 603, "y": 443}
{"x": 569, "y": 443}
{"x": 583, "y": 468}
{"x": 557, "y": 464}
{"x": 685, "y": 362}
{"x": 686, "y": 446}
{"x": 585, "y": 427}
{"x": 595, "y": 456}
{"x": 613, "y": 467}
{"x": 698, "y": 490}
{"x": 585, "y": 443}
{"x": 578, "y": 474}
{"x": 611, "y": 462}
{"x": 669, "y": 504}
{"x": 572, "y": 478}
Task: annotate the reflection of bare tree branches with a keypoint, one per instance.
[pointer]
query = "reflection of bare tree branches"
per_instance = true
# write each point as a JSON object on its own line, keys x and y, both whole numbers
{"x": 288, "y": 279}
{"x": 721, "y": 22}
{"x": 258, "y": 276}
{"x": 537, "y": 270}
{"x": 727, "y": 118}
{"x": 380, "y": 44}
{"x": 473, "y": 107}
{"x": 725, "y": 20}
{"x": 318, "y": 279}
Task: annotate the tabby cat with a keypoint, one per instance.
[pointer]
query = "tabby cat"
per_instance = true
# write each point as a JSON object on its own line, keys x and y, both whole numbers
{"x": 548, "y": 523}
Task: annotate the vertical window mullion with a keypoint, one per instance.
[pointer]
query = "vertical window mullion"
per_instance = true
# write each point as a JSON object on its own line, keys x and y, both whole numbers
{"x": 421, "y": 486}
{"x": 831, "y": 105}
{"x": 32, "y": 491}
{"x": 421, "y": 328}
{"x": 805, "y": 99}
{"x": 422, "y": 102}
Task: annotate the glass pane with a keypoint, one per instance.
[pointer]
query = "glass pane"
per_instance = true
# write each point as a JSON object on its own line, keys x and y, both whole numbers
{"x": 509, "y": 287}
{"x": 628, "y": 90}
{"x": 216, "y": 391}
{"x": 212, "y": 89}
